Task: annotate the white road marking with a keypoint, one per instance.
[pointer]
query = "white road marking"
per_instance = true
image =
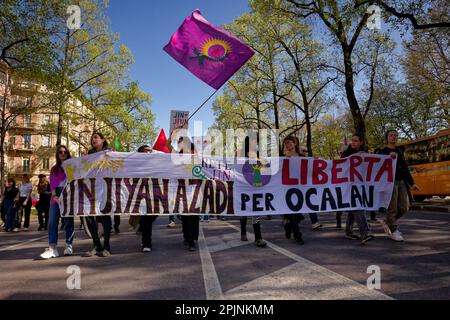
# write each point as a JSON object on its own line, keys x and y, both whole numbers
{"x": 212, "y": 285}
{"x": 299, "y": 281}
{"x": 304, "y": 276}
{"x": 23, "y": 243}
{"x": 225, "y": 241}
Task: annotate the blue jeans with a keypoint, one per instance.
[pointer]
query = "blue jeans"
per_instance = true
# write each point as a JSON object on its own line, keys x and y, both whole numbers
{"x": 53, "y": 226}
{"x": 171, "y": 218}
{"x": 10, "y": 213}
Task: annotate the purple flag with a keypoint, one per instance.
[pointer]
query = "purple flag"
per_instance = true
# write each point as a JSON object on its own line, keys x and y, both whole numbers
{"x": 210, "y": 53}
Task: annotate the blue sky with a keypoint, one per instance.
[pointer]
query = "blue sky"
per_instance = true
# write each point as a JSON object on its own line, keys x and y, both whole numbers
{"x": 146, "y": 27}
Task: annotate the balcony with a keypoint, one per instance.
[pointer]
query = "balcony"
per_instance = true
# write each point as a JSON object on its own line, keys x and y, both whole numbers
{"x": 22, "y": 127}
{"x": 24, "y": 88}
{"x": 23, "y": 148}
{"x": 19, "y": 170}
{"x": 13, "y": 106}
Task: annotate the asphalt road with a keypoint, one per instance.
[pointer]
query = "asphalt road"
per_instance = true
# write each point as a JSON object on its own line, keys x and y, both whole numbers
{"x": 328, "y": 266}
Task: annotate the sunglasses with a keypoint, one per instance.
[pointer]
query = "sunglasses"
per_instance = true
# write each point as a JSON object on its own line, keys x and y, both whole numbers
{"x": 62, "y": 152}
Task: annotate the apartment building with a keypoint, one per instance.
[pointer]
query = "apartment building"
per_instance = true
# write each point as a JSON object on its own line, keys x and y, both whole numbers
{"x": 31, "y": 137}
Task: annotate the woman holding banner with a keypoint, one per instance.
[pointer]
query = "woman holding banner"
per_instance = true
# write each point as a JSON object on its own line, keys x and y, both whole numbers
{"x": 291, "y": 148}
{"x": 250, "y": 147}
{"x": 57, "y": 182}
{"x": 357, "y": 145}
{"x": 99, "y": 143}
{"x": 146, "y": 222}
{"x": 191, "y": 223}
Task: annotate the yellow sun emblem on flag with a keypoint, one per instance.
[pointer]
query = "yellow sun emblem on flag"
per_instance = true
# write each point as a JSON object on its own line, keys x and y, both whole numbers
{"x": 213, "y": 49}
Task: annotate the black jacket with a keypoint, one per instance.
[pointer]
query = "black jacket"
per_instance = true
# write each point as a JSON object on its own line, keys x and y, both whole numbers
{"x": 402, "y": 171}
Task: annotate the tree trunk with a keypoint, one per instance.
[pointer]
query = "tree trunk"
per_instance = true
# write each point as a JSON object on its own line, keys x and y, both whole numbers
{"x": 358, "y": 121}
{"x": 308, "y": 133}
{"x": 62, "y": 94}
{"x": 59, "y": 128}
{"x": 2, "y": 163}
{"x": 3, "y": 136}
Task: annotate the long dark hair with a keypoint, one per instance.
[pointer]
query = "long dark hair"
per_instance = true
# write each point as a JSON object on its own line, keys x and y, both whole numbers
{"x": 295, "y": 140}
{"x": 142, "y": 148}
{"x": 55, "y": 168}
{"x": 105, "y": 142}
{"x": 12, "y": 181}
{"x": 186, "y": 143}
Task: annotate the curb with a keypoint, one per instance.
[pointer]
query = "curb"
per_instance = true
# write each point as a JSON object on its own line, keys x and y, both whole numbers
{"x": 430, "y": 208}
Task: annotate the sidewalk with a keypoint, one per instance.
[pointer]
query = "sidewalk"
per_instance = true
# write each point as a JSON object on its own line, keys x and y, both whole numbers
{"x": 437, "y": 205}
{"x": 427, "y": 207}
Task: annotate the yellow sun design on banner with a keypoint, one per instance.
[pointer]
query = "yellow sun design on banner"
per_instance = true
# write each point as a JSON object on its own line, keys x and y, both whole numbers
{"x": 215, "y": 49}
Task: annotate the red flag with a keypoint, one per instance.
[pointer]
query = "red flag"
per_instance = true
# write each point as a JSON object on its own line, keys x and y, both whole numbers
{"x": 160, "y": 143}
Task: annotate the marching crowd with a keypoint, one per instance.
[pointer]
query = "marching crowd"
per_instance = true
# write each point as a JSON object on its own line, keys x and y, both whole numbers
{"x": 16, "y": 203}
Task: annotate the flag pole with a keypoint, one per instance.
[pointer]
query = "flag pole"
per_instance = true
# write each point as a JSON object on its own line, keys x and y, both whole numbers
{"x": 204, "y": 102}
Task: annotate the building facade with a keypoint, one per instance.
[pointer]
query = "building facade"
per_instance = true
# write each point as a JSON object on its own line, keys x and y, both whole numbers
{"x": 30, "y": 143}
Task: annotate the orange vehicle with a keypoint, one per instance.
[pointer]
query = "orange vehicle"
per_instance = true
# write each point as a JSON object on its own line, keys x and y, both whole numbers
{"x": 429, "y": 162}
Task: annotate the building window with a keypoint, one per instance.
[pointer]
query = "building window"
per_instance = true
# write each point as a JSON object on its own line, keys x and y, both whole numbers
{"x": 2, "y": 78}
{"x": 29, "y": 102}
{"x": 46, "y": 163}
{"x": 12, "y": 142}
{"x": 16, "y": 101}
{"x": 26, "y": 165}
{"x": 27, "y": 120}
{"x": 45, "y": 141}
{"x": 27, "y": 141}
{"x": 46, "y": 119}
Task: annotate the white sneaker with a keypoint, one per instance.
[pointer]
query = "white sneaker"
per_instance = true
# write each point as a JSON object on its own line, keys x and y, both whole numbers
{"x": 25, "y": 229}
{"x": 16, "y": 230}
{"x": 146, "y": 249}
{"x": 316, "y": 226}
{"x": 171, "y": 224}
{"x": 386, "y": 228}
{"x": 397, "y": 236}
{"x": 50, "y": 253}
{"x": 68, "y": 251}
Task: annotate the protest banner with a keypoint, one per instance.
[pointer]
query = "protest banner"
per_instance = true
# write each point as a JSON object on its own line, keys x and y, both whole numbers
{"x": 136, "y": 183}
